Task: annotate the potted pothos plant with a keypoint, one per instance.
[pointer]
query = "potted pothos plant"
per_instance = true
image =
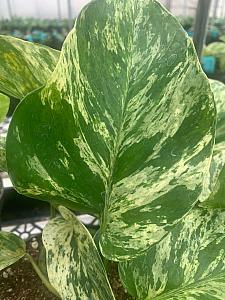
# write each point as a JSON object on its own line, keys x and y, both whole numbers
{"x": 120, "y": 124}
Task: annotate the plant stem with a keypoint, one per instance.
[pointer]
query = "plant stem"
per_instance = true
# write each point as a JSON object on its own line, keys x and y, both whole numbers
{"x": 41, "y": 276}
{"x": 53, "y": 211}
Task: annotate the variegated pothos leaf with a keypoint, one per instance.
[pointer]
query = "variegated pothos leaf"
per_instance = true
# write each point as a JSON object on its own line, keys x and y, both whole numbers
{"x": 1, "y": 187}
{"x": 3, "y": 166}
{"x": 188, "y": 264}
{"x": 74, "y": 265}
{"x": 124, "y": 127}
{"x": 4, "y": 106}
{"x": 214, "y": 192}
{"x": 24, "y": 66}
{"x": 217, "y": 49}
{"x": 12, "y": 248}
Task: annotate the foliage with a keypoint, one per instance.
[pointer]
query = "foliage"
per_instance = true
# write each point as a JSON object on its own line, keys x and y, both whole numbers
{"x": 4, "y": 106}
{"x": 73, "y": 260}
{"x": 217, "y": 49}
{"x": 4, "y": 100}
{"x": 124, "y": 129}
{"x": 48, "y": 32}
{"x": 189, "y": 263}
{"x": 12, "y": 249}
{"x": 24, "y": 66}
{"x": 215, "y": 187}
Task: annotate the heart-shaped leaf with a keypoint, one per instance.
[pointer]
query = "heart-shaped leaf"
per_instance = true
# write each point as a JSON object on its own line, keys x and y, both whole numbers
{"x": 74, "y": 265}
{"x": 24, "y": 66}
{"x": 12, "y": 248}
{"x": 124, "y": 127}
{"x": 189, "y": 263}
{"x": 214, "y": 193}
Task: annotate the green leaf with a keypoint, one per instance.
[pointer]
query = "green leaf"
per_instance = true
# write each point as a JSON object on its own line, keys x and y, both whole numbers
{"x": 24, "y": 66}
{"x": 217, "y": 49}
{"x": 214, "y": 193}
{"x": 188, "y": 264}
{"x": 3, "y": 166}
{"x": 123, "y": 129}
{"x": 1, "y": 187}
{"x": 74, "y": 265}
{"x": 218, "y": 89}
{"x": 4, "y": 106}
{"x": 12, "y": 248}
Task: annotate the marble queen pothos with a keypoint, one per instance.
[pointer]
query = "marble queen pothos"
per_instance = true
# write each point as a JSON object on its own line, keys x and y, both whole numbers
{"x": 123, "y": 128}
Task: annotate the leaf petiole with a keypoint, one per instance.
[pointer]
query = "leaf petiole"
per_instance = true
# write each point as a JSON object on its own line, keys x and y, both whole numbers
{"x": 41, "y": 276}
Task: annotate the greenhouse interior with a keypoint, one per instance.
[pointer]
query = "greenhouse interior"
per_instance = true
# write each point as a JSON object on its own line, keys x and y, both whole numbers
{"x": 112, "y": 150}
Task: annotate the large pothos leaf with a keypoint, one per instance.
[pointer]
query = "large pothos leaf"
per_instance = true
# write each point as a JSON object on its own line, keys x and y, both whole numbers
{"x": 74, "y": 265}
{"x": 189, "y": 263}
{"x": 24, "y": 66}
{"x": 12, "y": 248}
{"x": 214, "y": 193}
{"x": 4, "y": 106}
{"x": 123, "y": 128}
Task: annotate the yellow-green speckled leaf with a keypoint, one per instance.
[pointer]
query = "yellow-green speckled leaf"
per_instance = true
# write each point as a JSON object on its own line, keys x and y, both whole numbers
{"x": 4, "y": 106}
{"x": 188, "y": 264}
{"x": 24, "y": 66}
{"x": 74, "y": 265}
{"x": 124, "y": 128}
{"x": 214, "y": 194}
{"x": 3, "y": 166}
{"x": 12, "y": 248}
{"x": 217, "y": 49}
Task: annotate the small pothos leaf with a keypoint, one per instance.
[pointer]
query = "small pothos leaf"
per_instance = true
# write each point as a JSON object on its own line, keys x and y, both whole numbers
{"x": 123, "y": 128}
{"x": 24, "y": 66}
{"x": 12, "y": 248}
{"x": 3, "y": 166}
{"x": 189, "y": 263}
{"x": 214, "y": 193}
{"x": 4, "y": 106}
{"x": 1, "y": 187}
{"x": 74, "y": 265}
{"x": 218, "y": 89}
{"x": 217, "y": 49}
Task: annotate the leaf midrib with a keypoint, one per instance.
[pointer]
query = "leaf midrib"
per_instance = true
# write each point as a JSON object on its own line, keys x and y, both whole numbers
{"x": 119, "y": 135}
